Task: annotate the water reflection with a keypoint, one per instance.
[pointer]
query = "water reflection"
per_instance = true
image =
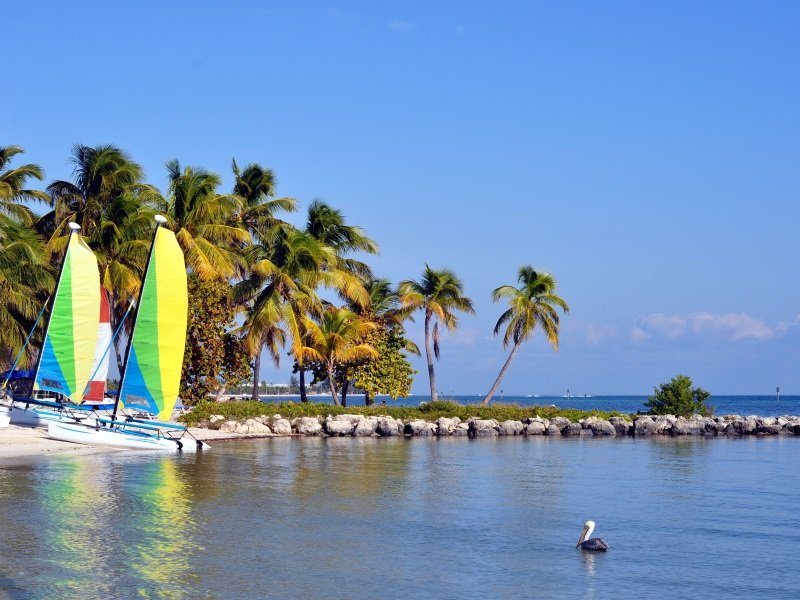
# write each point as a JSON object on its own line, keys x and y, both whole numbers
{"x": 161, "y": 526}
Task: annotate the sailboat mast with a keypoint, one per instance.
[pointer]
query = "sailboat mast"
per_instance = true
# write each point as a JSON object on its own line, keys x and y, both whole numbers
{"x": 160, "y": 220}
{"x": 73, "y": 227}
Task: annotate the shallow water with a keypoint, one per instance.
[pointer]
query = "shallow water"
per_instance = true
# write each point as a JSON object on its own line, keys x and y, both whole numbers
{"x": 362, "y": 518}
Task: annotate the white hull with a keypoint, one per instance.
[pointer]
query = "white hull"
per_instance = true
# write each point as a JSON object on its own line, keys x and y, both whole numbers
{"x": 35, "y": 417}
{"x": 4, "y": 420}
{"x": 119, "y": 438}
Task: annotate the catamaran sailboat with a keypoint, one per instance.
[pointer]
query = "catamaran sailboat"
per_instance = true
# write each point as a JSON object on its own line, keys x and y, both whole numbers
{"x": 150, "y": 380}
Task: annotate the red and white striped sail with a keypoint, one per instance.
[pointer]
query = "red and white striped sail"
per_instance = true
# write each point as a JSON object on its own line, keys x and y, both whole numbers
{"x": 96, "y": 390}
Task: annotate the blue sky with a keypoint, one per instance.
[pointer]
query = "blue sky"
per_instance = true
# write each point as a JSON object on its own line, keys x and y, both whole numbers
{"x": 644, "y": 153}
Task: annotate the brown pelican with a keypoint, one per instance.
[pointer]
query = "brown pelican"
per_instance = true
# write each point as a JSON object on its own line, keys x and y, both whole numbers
{"x": 593, "y": 545}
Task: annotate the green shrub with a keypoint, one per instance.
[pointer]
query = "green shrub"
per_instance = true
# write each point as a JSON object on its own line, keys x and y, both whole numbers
{"x": 678, "y": 398}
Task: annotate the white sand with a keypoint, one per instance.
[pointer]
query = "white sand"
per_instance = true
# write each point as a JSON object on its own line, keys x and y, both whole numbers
{"x": 22, "y": 442}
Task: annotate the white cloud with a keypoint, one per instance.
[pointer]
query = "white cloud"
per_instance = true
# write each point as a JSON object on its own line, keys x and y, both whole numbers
{"x": 732, "y": 326}
{"x": 596, "y": 334}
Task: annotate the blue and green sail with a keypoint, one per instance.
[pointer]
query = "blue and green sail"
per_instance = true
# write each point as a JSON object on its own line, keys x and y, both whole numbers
{"x": 69, "y": 344}
{"x": 152, "y": 376}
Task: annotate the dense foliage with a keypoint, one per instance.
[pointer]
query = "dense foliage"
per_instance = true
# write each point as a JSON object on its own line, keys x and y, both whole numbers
{"x": 679, "y": 398}
{"x": 214, "y": 356}
{"x": 389, "y": 373}
{"x": 431, "y": 411}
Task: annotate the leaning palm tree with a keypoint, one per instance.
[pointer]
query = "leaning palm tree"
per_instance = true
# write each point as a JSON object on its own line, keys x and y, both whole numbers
{"x": 12, "y": 186}
{"x": 533, "y": 303}
{"x": 439, "y": 294}
{"x": 336, "y": 339}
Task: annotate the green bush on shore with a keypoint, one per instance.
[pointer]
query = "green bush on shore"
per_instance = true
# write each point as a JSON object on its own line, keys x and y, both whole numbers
{"x": 246, "y": 409}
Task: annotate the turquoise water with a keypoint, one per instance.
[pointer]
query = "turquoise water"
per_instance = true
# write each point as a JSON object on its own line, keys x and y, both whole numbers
{"x": 764, "y": 406}
{"x": 427, "y": 518}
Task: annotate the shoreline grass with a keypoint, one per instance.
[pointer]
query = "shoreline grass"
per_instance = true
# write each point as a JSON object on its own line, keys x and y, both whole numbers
{"x": 238, "y": 410}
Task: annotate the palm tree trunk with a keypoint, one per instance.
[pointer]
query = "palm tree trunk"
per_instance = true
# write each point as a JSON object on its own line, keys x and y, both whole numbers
{"x": 303, "y": 396}
{"x": 497, "y": 381}
{"x": 429, "y": 355}
{"x": 256, "y": 373}
{"x": 332, "y": 385}
{"x": 367, "y": 400}
{"x": 345, "y": 387}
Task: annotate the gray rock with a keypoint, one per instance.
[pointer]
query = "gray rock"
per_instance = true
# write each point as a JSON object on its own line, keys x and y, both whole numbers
{"x": 419, "y": 427}
{"x": 446, "y": 426}
{"x": 574, "y": 429}
{"x": 643, "y": 426}
{"x": 621, "y": 426}
{"x": 534, "y": 428}
{"x": 366, "y": 427}
{"x": 229, "y": 426}
{"x": 280, "y": 426}
{"x": 462, "y": 429}
{"x": 255, "y": 426}
{"x": 352, "y": 419}
{"x": 560, "y": 422}
{"x": 552, "y": 429}
{"x": 601, "y": 427}
{"x": 309, "y": 426}
{"x": 338, "y": 428}
{"x": 388, "y": 427}
{"x": 483, "y": 427}
{"x": 510, "y": 428}
{"x": 664, "y": 424}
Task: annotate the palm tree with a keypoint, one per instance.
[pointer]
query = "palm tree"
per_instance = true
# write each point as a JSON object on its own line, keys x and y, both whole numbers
{"x": 533, "y": 303}
{"x": 337, "y": 339}
{"x": 439, "y": 293}
{"x": 113, "y": 207}
{"x": 256, "y": 186}
{"x": 24, "y": 276}
{"x": 12, "y": 186}
{"x": 203, "y": 221}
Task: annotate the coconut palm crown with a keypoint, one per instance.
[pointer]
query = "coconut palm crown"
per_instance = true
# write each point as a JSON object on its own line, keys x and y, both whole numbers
{"x": 439, "y": 293}
{"x": 533, "y": 304}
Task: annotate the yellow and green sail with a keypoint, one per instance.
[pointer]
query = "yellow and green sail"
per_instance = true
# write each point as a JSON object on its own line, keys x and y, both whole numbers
{"x": 68, "y": 352}
{"x": 152, "y": 376}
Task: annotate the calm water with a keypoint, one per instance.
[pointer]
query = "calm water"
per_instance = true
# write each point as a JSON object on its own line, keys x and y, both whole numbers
{"x": 367, "y": 518}
{"x": 742, "y": 405}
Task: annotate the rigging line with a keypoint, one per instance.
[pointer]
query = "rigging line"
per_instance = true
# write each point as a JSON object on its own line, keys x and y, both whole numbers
{"x": 25, "y": 344}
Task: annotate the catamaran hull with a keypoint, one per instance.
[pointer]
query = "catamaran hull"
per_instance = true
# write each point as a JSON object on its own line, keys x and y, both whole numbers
{"x": 4, "y": 420}
{"x": 33, "y": 417}
{"x": 116, "y": 438}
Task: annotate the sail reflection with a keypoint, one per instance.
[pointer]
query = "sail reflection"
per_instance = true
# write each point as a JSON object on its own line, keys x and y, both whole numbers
{"x": 162, "y": 527}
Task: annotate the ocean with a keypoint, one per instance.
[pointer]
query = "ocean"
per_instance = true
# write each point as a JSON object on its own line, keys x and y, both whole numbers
{"x": 765, "y": 406}
{"x": 396, "y": 518}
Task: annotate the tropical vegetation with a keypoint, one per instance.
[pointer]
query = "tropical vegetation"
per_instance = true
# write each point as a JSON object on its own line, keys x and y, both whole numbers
{"x": 678, "y": 397}
{"x": 259, "y": 285}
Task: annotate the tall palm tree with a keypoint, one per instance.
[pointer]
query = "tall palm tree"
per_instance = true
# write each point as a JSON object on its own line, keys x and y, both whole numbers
{"x": 533, "y": 303}
{"x": 256, "y": 187}
{"x": 12, "y": 186}
{"x": 24, "y": 277}
{"x": 112, "y": 204}
{"x": 203, "y": 221}
{"x": 337, "y": 338}
{"x": 439, "y": 294}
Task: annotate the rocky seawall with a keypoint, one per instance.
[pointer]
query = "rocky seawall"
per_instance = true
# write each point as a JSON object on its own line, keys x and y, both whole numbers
{"x": 387, "y": 426}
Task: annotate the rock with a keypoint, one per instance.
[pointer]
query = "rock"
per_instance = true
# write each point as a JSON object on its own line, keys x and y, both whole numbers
{"x": 643, "y": 426}
{"x": 534, "y": 428}
{"x": 388, "y": 427}
{"x": 229, "y": 426}
{"x": 338, "y": 428}
{"x": 446, "y": 426}
{"x": 352, "y": 419}
{"x": 462, "y": 429}
{"x": 574, "y": 429}
{"x": 483, "y": 427}
{"x": 552, "y": 429}
{"x": 621, "y": 426}
{"x": 560, "y": 422}
{"x": 601, "y": 427}
{"x": 214, "y": 418}
{"x": 255, "y": 426}
{"x": 309, "y": 426}
{"x": 664, "y": 424}
{"x": 510, "y": 428}
{"x": 280, "y": 426}
{"x": 419, "y": 427}
{"x": 366, "y": 427}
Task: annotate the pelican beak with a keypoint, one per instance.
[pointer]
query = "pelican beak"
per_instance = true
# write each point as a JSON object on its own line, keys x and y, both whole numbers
{"x": 583, "y": 535}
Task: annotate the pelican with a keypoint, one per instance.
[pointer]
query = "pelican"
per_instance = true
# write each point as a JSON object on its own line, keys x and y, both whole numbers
{"x": 593, "y": 545}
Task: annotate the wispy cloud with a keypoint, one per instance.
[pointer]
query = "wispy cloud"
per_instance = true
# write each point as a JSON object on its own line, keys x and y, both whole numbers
{"x": 399, "y": 25}
{"x": 732, "y": 326}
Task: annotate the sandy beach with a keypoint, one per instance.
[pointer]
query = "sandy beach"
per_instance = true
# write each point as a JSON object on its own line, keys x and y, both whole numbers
{"x": 29, "y": 442}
